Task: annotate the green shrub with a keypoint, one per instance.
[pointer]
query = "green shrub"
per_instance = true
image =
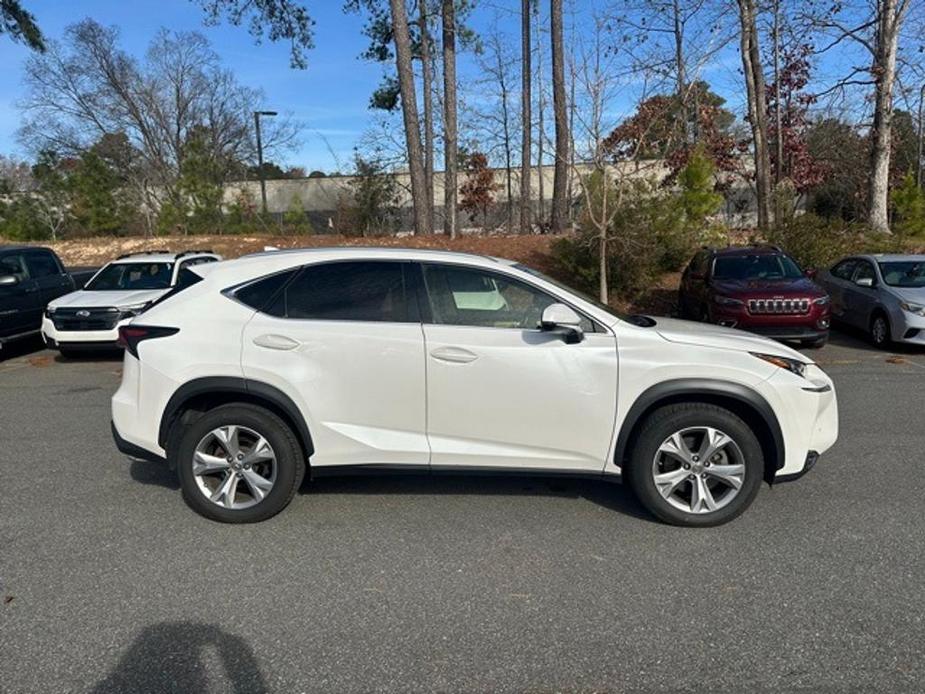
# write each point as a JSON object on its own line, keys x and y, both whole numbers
{"x": 816, "y": 242}
{"x": 909, "y": 203}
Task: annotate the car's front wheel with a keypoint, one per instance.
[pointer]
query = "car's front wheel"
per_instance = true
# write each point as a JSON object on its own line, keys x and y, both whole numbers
{"x": 695, "y": 464}
{"x": 880, "y": 330}
{"x": 239, "y": 463}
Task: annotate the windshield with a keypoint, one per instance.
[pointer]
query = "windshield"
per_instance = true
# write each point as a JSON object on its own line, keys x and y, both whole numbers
{"x": 132, "y": 276}
{"x": 906, "y": 273}
{"x": 561, "y": 285}
{"x": 756, "y": 267}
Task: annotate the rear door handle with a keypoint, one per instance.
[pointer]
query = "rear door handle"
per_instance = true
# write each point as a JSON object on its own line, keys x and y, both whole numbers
{"x": 454, "y": 355}
{"x": 280, "y": 342}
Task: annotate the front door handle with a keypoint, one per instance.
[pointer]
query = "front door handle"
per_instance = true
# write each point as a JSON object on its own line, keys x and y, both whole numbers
{"x": 280, "y": 342}
{"x": 454, "y": 355}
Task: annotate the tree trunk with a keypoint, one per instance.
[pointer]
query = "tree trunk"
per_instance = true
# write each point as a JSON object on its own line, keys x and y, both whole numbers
{"x": 757, "y": 108}
{"x": 560, "y": 110}
{"x": 540, "y": 131}
{"x": 680, "y": 76}
{"x": 526, "y": 152}
{"x": 778, "y": 106}
{"x": 889, "y": 20}
{"x": 450, "y": 133}
{"x": 427, "y": 88}
{"x": 409, "y": 108}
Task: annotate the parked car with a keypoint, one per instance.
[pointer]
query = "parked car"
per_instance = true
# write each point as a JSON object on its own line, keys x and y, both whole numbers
{"x": 881, "y": 294}
{"x": 756, "y": 288}
{"x": 334, "y": 361}
{"x": 90, "y": 317}
{"x": 30, "y": 277}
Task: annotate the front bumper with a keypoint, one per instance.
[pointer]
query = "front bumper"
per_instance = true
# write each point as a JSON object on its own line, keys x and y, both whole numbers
{"x": 908, "y": 328}
{"x": 813, "y": 325}
{"x": 80, "y": 339}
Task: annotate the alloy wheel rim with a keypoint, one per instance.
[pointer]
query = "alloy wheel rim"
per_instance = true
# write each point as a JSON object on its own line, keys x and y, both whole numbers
{"x": 698, "y": 469}
{"x": 879, "y": 330}
{"x": 234, "y": 467}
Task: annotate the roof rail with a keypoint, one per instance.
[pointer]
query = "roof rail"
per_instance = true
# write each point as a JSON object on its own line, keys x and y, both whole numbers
{"x": 194, "y": 251}
{"x": 147, "y": 252}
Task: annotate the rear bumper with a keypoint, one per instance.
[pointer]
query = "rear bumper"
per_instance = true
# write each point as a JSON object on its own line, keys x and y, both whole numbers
{"x": 131, "y": 450}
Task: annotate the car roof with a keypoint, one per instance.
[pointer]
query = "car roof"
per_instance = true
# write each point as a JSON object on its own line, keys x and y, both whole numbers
{"x": 314, "y": 254}
{"x": 21, "y": 247}
{"x": 747, "y": 250}
{"x": 161, "y": 256}
{"x": 894, "y": 257}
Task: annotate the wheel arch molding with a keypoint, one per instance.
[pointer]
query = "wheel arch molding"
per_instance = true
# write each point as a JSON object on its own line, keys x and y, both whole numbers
{"x": 739, "y": 399}
{"x": 203, "y": 394}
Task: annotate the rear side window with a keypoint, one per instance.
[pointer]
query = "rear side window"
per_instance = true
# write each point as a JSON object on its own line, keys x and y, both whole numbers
{"x": 258, "y": 294}
{"x": 42, "y": 264}
{"x": 14, "y": 264}
{"x": 844, "y": 269}
{"x": 354, "y": 291}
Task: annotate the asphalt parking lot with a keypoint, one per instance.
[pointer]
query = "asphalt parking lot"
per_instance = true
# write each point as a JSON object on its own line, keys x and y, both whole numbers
{"x": 109, "y": 583}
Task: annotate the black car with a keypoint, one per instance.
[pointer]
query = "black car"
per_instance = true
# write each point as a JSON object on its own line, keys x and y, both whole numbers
{"x": 30, "y": 277}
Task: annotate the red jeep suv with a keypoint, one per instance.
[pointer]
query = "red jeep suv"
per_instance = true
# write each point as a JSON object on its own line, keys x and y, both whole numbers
{"x": 756, "y": 288}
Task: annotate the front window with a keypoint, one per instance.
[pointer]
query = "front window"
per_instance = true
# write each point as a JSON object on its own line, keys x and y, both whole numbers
{"x": 905, "y": 273}
{"x": 122, "y": 276}
{"x": 755, "y": 267}
{"x": 473, "y": 297}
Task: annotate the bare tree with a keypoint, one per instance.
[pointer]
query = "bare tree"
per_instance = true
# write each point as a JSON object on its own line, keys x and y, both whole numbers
{"x": 560, "y": 111}
{"x": 450, "y": 131}
{"x": 757, "y": 107}
{"x": 526, "y": 150}
{"x": 88, "y": 88}
{"x": 423, "y": 223}
{"x": 427, "y": 91}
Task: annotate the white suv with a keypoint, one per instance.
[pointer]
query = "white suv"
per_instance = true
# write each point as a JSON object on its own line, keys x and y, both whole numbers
{"x": 91, "y": 317}
{"x": 342, "y": 360}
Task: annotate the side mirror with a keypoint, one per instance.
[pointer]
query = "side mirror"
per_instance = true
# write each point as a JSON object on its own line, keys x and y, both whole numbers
{"x": 811, "y": 272}
{"x": 8, "y": 280}
{"x": 864, "y": 282}
{"x": 561, "y": 318}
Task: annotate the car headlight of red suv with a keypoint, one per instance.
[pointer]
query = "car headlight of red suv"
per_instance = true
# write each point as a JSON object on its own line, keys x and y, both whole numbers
{"x": 727, "y": 301}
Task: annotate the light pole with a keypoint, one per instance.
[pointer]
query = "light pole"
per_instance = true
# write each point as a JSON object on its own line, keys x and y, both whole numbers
{"x": 918, "y": 162}
{"x": 263, "y": 183}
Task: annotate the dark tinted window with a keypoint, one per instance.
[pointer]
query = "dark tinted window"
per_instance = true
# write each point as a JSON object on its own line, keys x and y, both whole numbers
{"x": 361, "y": 291}
{"x": 258, "y": 294}
{"x": 844, "y": 269}
{"x": 42, "y": 264}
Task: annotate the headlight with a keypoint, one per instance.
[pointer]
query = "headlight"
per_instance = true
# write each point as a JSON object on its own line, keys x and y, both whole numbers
{"x": 133, "y": 310}
{"x": 794, "y": 366}
{"x": 917, "y": 309}
{"x": 727, "y": 301}
{"x": 821, "y": 301}
{"x": 49, "y": 312}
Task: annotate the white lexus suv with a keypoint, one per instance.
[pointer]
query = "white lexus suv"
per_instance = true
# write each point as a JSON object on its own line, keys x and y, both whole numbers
{"x": 330, "y": 361}
{"x": 90, "y": 317}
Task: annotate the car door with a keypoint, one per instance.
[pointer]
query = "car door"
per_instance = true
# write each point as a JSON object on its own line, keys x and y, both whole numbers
{"x": 48, "y": 273}
{"x": 20, "y": 303}
{"x": 344, "y": 341}
{"x": 836, "y": 282}
{"x": 500, "y": 392}
{"x": 861, "y": 301}
{"x": 694, "y": 286}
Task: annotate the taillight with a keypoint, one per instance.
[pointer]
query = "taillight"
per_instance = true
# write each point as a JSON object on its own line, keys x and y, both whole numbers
{"x": 131, "y": 335}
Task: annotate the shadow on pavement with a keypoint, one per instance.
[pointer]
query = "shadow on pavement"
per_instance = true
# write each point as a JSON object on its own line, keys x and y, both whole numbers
{"x": 853, "y": 338}
{"x": 158, "y": 474}
{"x": 174, "y": 656}
{"x": 94, "y": 355}
{"x": 21, "y": 348}
{"x": 613, "y": 497}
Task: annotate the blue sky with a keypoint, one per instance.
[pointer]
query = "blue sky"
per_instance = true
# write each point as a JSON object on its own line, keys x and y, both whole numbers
{"x": 330, "y": 97}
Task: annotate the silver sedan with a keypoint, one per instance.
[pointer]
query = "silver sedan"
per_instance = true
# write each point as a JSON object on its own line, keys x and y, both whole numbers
{"x": 881, "y": 294}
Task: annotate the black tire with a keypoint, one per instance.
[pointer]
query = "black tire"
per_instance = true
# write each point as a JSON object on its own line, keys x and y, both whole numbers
{"x": 290, "y": 461}
{"x": 815, "y": 344}
{"x": 664, "y": 422}
{"x": 880, "y": 337}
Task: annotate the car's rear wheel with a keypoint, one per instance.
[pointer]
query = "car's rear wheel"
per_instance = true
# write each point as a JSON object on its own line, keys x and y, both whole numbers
{"x": 239, "y": 463}
{"x": 880, "y": 330}
{"x": 696, "y": 465}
